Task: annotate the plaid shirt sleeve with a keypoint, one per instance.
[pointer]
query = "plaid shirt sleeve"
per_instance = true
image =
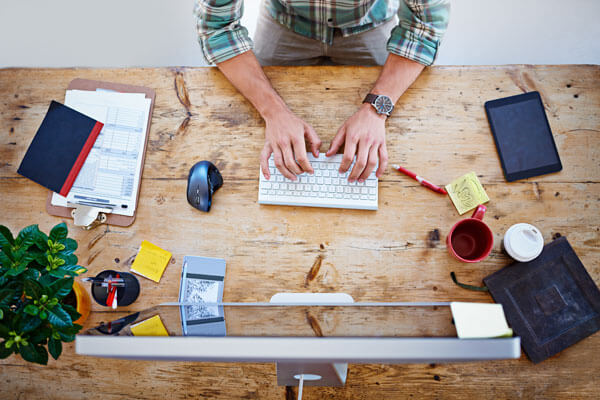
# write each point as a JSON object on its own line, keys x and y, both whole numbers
{"x": 219, "y": 31}
{"x": 419, "y": 33}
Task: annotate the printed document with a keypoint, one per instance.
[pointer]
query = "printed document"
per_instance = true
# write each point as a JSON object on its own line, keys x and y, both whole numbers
{"x": 111, "y": 173}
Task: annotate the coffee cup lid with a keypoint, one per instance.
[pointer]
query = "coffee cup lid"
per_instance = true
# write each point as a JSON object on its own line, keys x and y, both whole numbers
{"x": 523, "y": 242}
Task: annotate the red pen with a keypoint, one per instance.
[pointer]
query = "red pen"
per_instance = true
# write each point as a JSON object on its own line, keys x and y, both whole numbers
{"x": 422, "y": 181}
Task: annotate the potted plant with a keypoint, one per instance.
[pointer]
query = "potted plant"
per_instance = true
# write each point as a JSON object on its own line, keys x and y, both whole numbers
{"x": 38, "y": 300}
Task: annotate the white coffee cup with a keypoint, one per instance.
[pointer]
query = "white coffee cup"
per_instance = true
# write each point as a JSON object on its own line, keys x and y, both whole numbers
{"x": 523, "y": 242}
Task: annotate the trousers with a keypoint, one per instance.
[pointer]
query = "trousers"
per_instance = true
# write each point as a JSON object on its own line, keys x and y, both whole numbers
{"x": 275, "y": 44}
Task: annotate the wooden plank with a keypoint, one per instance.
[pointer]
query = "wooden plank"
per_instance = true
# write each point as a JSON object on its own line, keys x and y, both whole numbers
{"x": 395, "y": 254}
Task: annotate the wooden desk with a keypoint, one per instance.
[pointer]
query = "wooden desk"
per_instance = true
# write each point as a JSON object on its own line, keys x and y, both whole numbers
{"x": 398, "y": 253}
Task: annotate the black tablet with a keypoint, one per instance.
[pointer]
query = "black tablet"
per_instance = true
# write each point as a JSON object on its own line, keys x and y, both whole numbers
{"x": 523, "y": 136}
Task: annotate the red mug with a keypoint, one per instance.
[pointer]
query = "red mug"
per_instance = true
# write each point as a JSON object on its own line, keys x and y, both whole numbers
{"x": 471, "y": 240}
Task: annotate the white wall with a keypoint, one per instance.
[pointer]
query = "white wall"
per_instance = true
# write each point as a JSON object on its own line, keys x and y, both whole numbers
{"x": 122, "y": 33}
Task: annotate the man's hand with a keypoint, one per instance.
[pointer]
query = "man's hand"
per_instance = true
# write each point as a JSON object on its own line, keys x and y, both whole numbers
{"x": 284, "y": 138}
{"x": 364, "y": 135}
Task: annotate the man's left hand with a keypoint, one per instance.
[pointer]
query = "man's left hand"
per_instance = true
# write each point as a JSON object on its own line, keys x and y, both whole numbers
{"x": 364, "y": 136}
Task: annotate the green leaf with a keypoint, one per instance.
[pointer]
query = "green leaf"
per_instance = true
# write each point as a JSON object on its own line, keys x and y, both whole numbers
{"x": 41, "y": 240}
{"x": 69, "y": 259}
{"x": 26, "y": 237}
{"x": 24, "y": 259}
{"x": 34, "y": 353}
{"x": 42, "y": 259}
{"x": 61, "y": 287}
{"x": 59, "y": 232}
{"x": 4, "y": 351}
{"x": 31, "y": 309}
{"x": 70, "y": 246}
{"x": 33, "y": 289}
{"x": 30, "y": 323}
{"x": 1, "y": 313}
{"x": 6, "y": 297}
{"x": 6, "y": 238}
{"x": 40, "y": 335}
{"x": 72, "y": 311}
{"x": 70, "y": 330}
{"x": 77, "y": 269}
{"x": 66, "y": 337}
{"x": 55, "y": 348}
{"x": 60, "y": 273}
{"x": 4, "y": 331}
{"x": 16, "y": 271}
{"x": 58, "y": 317}
{"x": 6, "y": 258}
{"x": 32, "y": 274}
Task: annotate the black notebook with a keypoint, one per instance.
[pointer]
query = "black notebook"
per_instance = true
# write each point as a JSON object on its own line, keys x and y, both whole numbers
{"x": 59, "y": 148}
{"x": 550, "y": 302}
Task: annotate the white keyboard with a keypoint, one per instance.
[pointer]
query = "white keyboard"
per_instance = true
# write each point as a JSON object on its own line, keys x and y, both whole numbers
{"x": 325, "y": 188}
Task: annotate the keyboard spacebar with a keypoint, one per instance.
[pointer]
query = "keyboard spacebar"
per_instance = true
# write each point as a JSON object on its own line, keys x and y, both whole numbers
{"x": 318, "y": 202}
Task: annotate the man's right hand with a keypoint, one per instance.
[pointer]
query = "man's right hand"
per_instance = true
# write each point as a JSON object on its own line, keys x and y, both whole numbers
{"x": 284, "y": 138}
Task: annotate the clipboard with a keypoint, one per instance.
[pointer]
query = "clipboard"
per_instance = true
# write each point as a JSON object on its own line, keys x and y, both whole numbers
{"x": 92, "y": 85}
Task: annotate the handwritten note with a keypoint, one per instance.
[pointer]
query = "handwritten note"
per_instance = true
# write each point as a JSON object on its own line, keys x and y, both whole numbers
{"x": 150, "y": 327}
{"x": 466, "y": 193}
{"x": 151, "y": 261}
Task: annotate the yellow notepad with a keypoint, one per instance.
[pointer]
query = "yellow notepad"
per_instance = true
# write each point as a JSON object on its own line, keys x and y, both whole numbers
{"x": 466, "y": 193}
{"x": 150, "y": 327}
{"x": 151, "y": 261}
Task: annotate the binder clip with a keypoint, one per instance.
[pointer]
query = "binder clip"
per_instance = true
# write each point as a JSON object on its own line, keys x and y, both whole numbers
{"x": 89, "y": 217}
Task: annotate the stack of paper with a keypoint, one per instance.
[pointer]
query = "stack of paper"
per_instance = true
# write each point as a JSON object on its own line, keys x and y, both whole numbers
{"x": 110, "y": 175}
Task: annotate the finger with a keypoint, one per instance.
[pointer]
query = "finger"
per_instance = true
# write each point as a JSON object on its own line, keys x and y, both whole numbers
{"x": 383, "y": 160}
{"x": 313, "y": 139}
{"x": 337, "y": 142}
{"x": 290, "y": 161}
{"x": 278, "y": 158}
{"x": 264, "y": 161}
{"x": 349, "y": 152}
{"x": 301, "y": 158}
{"x": 371, "y": 163}
{"x": 362, "y": 157}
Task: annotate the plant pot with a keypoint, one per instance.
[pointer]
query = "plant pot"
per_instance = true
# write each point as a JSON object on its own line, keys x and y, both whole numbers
{"x": 80, "y": 299}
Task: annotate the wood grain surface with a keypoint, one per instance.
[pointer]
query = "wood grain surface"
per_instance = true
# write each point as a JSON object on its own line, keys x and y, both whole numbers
{"x": 398, "y": 253}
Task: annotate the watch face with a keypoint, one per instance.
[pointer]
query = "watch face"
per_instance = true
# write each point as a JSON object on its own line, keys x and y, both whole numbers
{"x": 384, "y": 105}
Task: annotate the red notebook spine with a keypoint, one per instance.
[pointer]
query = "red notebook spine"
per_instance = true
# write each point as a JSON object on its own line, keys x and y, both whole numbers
{"x": 85, "y": 150}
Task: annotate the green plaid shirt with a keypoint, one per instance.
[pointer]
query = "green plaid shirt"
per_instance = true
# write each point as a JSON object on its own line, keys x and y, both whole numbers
{"x": 417, "y": 36}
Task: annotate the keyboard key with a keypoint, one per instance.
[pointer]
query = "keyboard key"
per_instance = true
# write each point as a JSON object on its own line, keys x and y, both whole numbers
{"x": 320, "y": 180}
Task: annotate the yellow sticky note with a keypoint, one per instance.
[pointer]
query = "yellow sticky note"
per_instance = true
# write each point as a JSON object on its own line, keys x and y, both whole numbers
{"x": 150, "y": 327}
{"x": 151, "y": 261}
{"x": 466, "y": 193}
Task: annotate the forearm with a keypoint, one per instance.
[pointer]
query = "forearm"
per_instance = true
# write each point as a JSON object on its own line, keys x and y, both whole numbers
{"x": 246, "y": 74}
{"x": 397, "y": 75}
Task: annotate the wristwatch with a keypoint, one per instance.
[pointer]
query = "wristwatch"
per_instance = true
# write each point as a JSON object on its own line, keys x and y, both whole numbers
{"x": 382, "y": 104}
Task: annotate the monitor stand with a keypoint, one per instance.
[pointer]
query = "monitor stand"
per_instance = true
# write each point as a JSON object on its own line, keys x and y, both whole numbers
{"x": 312, "y": 374}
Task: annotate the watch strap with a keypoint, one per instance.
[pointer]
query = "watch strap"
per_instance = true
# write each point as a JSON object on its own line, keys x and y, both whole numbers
{"x": 370, "y": 98}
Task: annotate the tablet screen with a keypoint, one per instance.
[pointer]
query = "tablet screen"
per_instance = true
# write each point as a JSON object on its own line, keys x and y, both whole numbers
{"x": 523, "y": 136}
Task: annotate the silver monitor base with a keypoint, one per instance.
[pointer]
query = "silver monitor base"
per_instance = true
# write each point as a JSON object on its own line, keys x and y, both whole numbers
{"x": 312, "y": 374}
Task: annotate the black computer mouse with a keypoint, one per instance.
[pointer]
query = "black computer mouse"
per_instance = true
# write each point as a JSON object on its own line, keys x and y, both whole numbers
{"x": 204, "y": 180}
